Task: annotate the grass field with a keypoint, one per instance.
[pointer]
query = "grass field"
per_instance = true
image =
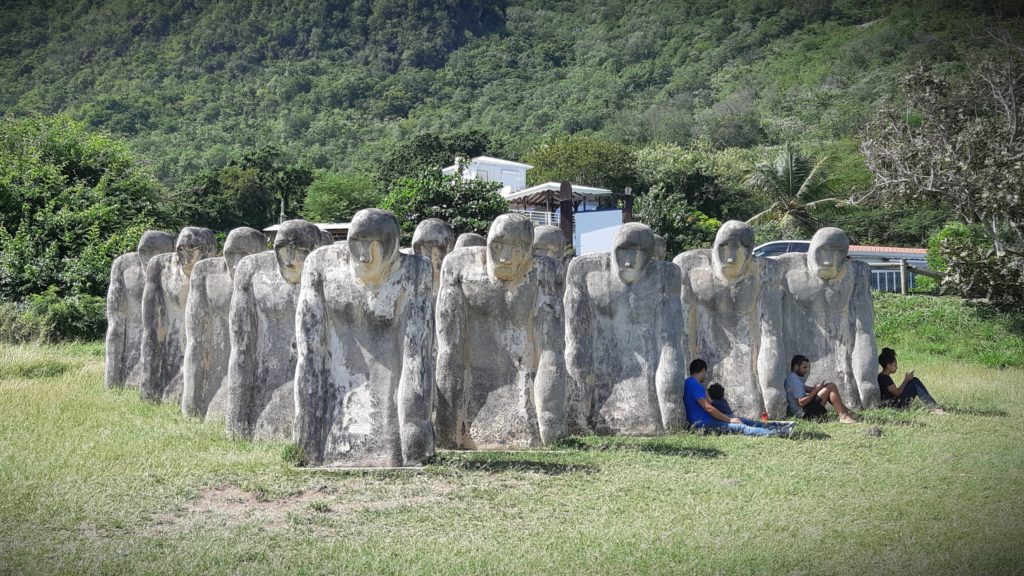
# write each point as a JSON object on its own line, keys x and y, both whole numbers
{"x": 95, "y": 481}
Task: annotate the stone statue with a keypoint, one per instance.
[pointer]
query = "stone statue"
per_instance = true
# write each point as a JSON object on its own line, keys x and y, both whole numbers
{"x": 163, "y": 313}
{"x": 732, "y": 319}
{"x": 364, "y": 382}
{"x": 660, "y": 247}
{"x": 433, "y": 239}
{"x": 549, "y": 241}
{"x": 124, "y": 309}
{"x": 623, "y": 316}
{"x": 261, "y": 369}
{"x": 470, "y": 239}
{"x": 326, "y": 238}
{"x": 500, "y": 365}
{"x": 829, "y": 316}
{"x": 207, "y": 334}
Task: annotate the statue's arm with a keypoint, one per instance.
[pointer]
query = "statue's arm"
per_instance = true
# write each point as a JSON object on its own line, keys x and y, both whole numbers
{"x": 771, "y": 366}
{"x": 310, "y": 367}
{"x": 667, "y": 379}
{"x": 865, "y": 352}
{"x": 450, "y": 318}
{"x": 197, "y": 324}
{"x": 242, "y": 320}
{"x": 151, "y": 388}
{"x": 579, "y": 322}
{"x": 550, "y": 393}
{"x": 416, "y": 386}
{"x": 114, "y": 371}
{"x": 688, "y": 325}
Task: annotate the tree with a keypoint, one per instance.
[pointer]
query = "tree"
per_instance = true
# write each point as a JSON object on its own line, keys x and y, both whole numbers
{"x": 72, "y": 201}
{"x": 793, "y": 186}
{"x": 959, "y": 141}
{"x": 583, "y": 160}
{"x": 248, "y": 191}
{"x": 429, "y": 151}
{"x": 467, "y": 205}
{"x": 683, "y": 226}
{"x": 336, "y": 197}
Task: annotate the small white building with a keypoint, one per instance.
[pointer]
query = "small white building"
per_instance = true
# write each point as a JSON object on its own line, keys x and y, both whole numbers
{"x": 512, "y": 175}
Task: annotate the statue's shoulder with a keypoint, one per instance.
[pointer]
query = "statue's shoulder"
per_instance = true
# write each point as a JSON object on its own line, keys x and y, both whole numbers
{"x": 463, "y": 258}
{"x": 125, "y": 261}
{"x": 589, "y": 263}
{"x": 668, "y": 271}
{"x": 792, "y": 265}
{"x": 328, "y": 255}
{"x": 252, "y": 263}
{"x": 209, "y": 267}
{"x": 547, "y": 270}
{"x": 690, "y": 258}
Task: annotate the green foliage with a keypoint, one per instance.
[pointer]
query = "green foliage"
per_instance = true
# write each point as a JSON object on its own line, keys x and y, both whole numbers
{"x": 975, "y": 269}
{"x": 336, "y": 197}
{"x": 407, "y": 158}
{"x": 248, "y": 191}
{"x": 49, "y": 317}
{"x": 672, "y": 217}
{"x": 467, "y": 205}
{"x": 583, "y": 160}
{"x": 793, "y": 186}
{"x": 72, "y": 202}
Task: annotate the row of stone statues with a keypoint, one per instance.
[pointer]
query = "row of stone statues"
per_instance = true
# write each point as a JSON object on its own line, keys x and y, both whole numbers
{"x": 366, "y": 355}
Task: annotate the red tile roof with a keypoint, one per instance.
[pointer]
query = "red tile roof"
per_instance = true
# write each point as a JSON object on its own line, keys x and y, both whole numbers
{"x": 856, "y": 248}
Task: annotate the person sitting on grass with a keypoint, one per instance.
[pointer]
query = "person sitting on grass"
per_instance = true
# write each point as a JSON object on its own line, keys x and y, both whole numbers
{"x": 702, "y": 415}
{"x": 811, "y": 402}
{"x": 894, "y": 396}
{"x": 717, "y": 395}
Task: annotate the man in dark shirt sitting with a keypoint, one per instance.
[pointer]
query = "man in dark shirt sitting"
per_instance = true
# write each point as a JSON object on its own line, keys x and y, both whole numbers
{"x": 900, "y": 396}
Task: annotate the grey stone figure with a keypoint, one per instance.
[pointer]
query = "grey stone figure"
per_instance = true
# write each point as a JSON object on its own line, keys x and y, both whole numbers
{"x": 433, "y": 239}
{"x": 163, "y": 313}
{"x": 207, "y": 333}
{"x": 326, "y": 238}
{"x": 124, "y": 310}
{"x": 660, "y": 247}
{"x": 829, "y": 316}
{"x": 261, "y": 370}
{"x": 364, "y": 382}
{"x": 732, "y": 319}
{"x": 470, "y": 239}
{"x": 500, "y": 364}
{"x": 622, "y": 321}
{"x": 549, "y": 241}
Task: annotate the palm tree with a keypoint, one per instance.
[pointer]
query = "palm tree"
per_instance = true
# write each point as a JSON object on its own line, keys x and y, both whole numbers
{"x": 794, "y": 185}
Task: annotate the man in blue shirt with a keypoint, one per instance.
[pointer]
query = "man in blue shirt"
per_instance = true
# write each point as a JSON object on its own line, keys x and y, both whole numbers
{"x": 702, "y": 415}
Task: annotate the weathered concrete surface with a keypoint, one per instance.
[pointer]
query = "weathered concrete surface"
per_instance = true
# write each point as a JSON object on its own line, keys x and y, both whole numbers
{"x": 364, "y": 381}
{"x": 261, "y": 368}
{"x": 623, "y": 315}
{"x": 660, "y": 247}
{"x": 433, "y": 239}
{"x": 470, "y": 239}
{"x": 550, "y": 242}
{"x": 124, "y": 310}
{"x": 500, "y": 367}
{"x": 163, "y": 313}
{"x": 829, "y": 316}
{"x": 326, "y": 238}
{"x": 207, "y": 334}
{"x": 732, "y": 318}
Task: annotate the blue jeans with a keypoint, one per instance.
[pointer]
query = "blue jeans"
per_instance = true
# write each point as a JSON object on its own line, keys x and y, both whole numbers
{"x": 747, "y": 428}
{"x": 914, "y": 389}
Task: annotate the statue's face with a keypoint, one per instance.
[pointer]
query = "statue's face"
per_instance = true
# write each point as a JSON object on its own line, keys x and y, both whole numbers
{"x": 434, "y": 252}
{"x": 549, "y": 250}
{"x": 368, "y": 259}
{"x": 189, "y": 253}
{"x": 733, "y": 258}
{"x": 827, "y": 255}
{"x": 291, "y": 253}
{"x": 509, "y": 258}
{"x": 633, "y": 251}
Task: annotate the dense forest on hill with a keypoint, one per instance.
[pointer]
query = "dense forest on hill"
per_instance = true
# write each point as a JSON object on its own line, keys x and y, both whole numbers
{"x": 119, "y": 116}
{"x": 335, "y": 84}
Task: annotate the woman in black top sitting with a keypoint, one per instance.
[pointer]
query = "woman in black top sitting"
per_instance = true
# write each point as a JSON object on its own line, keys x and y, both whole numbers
{"x": 900, "y": 396}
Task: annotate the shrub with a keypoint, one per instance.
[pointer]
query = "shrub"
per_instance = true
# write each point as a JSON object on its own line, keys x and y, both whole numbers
{"x": 49, "y": 317}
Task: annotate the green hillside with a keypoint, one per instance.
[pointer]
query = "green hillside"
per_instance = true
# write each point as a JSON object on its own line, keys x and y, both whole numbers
{"x": 336, "y": 84}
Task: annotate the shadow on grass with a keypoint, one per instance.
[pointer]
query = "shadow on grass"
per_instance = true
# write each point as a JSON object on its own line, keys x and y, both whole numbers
{"x": 799, "y": 435}
{"x": 660, "y": 446}
{"x": 497, "y": 463}
{"x": 35, "y": 369}
{"x": 890, "y": 417}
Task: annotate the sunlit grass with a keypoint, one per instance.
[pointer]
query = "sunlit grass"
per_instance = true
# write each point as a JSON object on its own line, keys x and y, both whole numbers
{"x": 93, "y": 480}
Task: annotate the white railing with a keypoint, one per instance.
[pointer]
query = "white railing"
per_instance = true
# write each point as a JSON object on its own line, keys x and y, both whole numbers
{"x": 539, "y": 217}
